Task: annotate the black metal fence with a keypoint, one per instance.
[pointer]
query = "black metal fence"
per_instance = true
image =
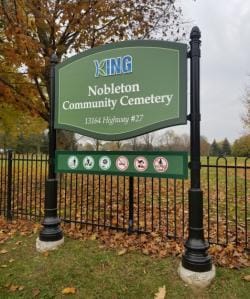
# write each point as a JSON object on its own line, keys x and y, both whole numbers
{"x": 156, "y": 205}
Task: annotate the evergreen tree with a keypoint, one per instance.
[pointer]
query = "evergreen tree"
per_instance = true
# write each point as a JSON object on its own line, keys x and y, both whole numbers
{"x": 214, "y": 149}
{"x": 226, "y": 148}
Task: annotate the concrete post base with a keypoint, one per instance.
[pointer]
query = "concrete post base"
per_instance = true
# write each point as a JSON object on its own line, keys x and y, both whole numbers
{"x": 42, "y": 246}
{"x": 196, "y": 279}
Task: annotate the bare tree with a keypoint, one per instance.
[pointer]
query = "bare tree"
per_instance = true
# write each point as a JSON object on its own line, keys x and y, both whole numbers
{"x": 166, "y": 140}
{"x": 134, "y": 142}
{"x": 148, "y": 140}
{"x": 246, "y": 115}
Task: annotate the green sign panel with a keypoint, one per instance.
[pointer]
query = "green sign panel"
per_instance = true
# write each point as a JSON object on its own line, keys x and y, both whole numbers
{"x": 146, "y": 164}
{"x": 122, "y": 90}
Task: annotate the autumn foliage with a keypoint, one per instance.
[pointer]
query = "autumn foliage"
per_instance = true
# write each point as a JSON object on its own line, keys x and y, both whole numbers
{"x": 153, "y": 244}
{"x": 30, "y": 31}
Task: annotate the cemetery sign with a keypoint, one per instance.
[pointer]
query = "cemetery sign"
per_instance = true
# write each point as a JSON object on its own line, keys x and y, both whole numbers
{"x": 122, "y": 90}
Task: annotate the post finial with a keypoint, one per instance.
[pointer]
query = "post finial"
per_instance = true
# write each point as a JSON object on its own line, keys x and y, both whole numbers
{"x": 53, "y": 58}
{"x": 195, "y": 33}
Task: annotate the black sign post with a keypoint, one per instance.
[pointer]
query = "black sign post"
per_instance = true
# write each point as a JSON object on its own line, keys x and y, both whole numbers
{"x": 195, "y": 258}
{"x": 51, "y": 231}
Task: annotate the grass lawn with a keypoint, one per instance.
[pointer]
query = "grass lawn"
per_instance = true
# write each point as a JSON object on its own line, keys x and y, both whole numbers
{"x": 96, "y": 272}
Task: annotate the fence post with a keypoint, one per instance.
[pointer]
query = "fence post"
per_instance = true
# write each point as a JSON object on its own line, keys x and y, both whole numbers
{"x": 9, "y": 184}
{"x": 131, "y": 205}
{"x": 196, "y": 267}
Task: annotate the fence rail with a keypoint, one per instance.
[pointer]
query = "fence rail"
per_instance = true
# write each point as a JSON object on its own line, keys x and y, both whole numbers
{"x": 157, "y": 204}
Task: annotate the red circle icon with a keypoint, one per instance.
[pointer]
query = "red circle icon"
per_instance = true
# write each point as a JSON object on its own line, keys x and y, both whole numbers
{"x": 160, "y": 164}
{"x": 140, "y": 163}
{"x": 122, "y": 163}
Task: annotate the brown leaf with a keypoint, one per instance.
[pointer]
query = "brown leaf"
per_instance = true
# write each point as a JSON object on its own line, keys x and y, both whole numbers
{"x": 36, "y": 228}
{"x": 122, "y": 252}
{"x": 3, "y": 251}
{"x": 70, "y": 290}
{"x": 247, "y": 277}
{"x": 154, "y": 235}
{"x": 13, "y": 288}
{"x": 145, "y": 251}
{"x": 11, "y": 260}
{"x": 7, "y": 285}
{"x": 143, "y": 238}
{"x": 215, "y": 249}
{"x": 93, "y": 237}
{"x": 178, "y": 248}
{"x": 46, "y": 254}
{"x": 163, "y": 253}
{"x": 161, "y": 293}
{"x": 4, "y": 266}
{"x": 35, "y": 292}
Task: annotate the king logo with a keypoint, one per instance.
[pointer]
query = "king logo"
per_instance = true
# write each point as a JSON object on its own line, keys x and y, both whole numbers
{"x": 114, "y": 66}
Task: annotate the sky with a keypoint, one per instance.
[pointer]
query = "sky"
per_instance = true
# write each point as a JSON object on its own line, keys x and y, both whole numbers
{"x": 225, "y": 64}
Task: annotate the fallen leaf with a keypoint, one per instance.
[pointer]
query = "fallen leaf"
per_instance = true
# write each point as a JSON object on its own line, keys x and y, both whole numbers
{"x": 163, "y": 253}
{"x": 18, "y": 242}
{"x": 143, "y": 238}
{"x": 3, "y": 251}
{"x": 4, "y": 266}
{"x": 154, "y": 234}
{"x": 161, "y": 293}
{"x": 247, "y": 277}
{"x": 93, "y": 237}
{"x": 122, "y": 252}
{"x": 36, "y": 228}
{"x": 35, "y": 292}
{"x": 7, "y": 285}
{"x": 46, "y": 253}
{"x": 13, "y": 288}
{"x": 67, "y": 291}
{"x": 145, "y": 251}
{"x": 11, "y": 260}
